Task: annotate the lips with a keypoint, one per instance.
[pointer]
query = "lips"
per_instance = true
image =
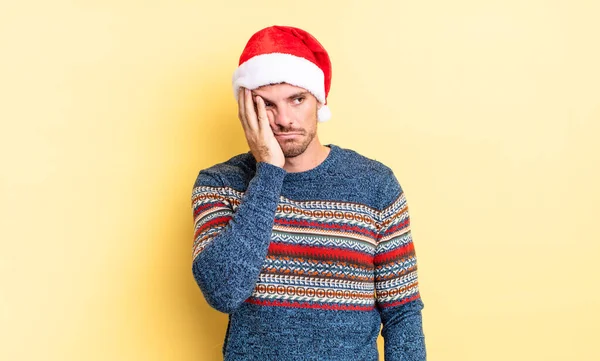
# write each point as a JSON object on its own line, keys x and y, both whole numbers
{"x": 287, "y": 135}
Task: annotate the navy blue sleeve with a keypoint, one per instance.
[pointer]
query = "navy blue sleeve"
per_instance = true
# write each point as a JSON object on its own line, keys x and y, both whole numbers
{"x": 232, "y": 233}
{"x": 397, "y": 293}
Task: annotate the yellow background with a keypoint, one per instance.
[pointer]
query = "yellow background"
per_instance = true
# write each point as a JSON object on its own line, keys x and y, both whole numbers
{"x": 488, "y": 112}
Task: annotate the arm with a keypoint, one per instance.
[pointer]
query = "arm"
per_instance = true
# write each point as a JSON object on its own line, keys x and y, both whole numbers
{"x": 230, "y": 247}
{"x": 397, "y": 293}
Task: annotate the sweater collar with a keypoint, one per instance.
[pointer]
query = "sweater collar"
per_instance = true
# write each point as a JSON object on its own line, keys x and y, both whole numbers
{"x": 318, "y": 171}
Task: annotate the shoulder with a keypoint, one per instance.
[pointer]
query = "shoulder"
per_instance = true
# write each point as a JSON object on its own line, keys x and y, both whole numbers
{"x": 364, "y": 167}
{"x": 370, "y": 174}
{"x": 234, "y": 172}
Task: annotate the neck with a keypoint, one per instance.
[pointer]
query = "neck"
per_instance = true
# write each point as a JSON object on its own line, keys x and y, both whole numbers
{"x": 314, "y": 155}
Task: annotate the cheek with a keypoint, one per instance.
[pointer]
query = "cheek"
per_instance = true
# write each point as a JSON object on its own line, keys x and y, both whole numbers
{"x": 304, "y": 110}
{"x": 307, "y": 111}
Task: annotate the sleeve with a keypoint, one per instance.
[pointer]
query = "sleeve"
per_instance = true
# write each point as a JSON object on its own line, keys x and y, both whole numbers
{"x": 230, "y": 245}
{"x": 396, "y": 285}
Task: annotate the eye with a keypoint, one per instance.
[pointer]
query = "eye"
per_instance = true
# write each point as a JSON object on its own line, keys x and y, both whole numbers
{"x": 299, "y": 100}
{"x": 268, "y": 104}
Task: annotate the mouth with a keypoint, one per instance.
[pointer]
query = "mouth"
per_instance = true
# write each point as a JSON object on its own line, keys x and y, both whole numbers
{"x": 287, "y": 135}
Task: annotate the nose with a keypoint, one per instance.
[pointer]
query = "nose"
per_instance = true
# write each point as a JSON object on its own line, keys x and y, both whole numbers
{"x": 283, "y": 117}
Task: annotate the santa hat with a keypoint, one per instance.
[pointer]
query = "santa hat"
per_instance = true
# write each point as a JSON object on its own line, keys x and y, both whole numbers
{"x": 284, "y": 54}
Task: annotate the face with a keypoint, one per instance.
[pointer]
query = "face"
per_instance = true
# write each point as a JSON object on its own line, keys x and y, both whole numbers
{"x": 292, "y": 113}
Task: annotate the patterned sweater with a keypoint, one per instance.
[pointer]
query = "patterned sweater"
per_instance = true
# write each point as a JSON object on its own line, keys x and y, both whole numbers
{"x": 308, "y": 265}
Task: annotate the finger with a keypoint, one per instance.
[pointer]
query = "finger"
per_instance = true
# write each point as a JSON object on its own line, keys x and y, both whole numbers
{"x": 241, "y": 108}
{"x": 249, "y": 111}
{"x": 263, "y": 120}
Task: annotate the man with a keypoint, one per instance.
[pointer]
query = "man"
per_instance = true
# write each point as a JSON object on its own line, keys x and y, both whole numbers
{"x": 307, "y": 247}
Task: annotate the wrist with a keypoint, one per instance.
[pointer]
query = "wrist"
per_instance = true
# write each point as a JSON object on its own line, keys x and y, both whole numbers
{"x": 270, "y": 160}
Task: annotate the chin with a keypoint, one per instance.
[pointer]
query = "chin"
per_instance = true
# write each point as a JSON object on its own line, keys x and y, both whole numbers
{"x": 291, "y": 150}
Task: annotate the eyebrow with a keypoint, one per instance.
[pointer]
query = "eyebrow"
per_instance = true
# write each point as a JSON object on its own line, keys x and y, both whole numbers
{"x": 293, "y": 96}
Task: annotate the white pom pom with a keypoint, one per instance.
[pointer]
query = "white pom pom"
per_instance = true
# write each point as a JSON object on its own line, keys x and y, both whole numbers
{"x": 324, "y": 114}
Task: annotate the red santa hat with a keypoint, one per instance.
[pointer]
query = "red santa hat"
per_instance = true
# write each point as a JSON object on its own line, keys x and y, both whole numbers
{"x": 284, "y": 54}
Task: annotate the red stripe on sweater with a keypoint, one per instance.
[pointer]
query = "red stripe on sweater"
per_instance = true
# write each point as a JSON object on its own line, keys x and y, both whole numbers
{"x": 330, "y": 253}
{"x": 206, "y": 206}
{"x": 321, "y": 306}
{"x": 405, "y": 223}
{"x": 394, "y": 253}
{"x": 341, "y": 227}
{"x": 400, "y": 302}
{"x": 219, "y": 221}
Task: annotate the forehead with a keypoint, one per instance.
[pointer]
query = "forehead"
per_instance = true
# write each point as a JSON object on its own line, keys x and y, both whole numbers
{"x": 281, "y": 90}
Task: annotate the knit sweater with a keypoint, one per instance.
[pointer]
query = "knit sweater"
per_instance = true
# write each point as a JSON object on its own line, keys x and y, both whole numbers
{"x": 308, "y": 265}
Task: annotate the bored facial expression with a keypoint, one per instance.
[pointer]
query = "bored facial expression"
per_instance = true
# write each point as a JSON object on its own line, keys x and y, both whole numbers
{"x": 292, "y": 113}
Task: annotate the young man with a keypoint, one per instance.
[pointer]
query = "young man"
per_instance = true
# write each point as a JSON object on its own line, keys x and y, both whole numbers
{"x": 306, "y": 246}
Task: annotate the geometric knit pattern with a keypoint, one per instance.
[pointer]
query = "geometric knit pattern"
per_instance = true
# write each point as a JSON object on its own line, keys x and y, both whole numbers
{"x": 311, "y": 265}
{"x": 326, "y": 255}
